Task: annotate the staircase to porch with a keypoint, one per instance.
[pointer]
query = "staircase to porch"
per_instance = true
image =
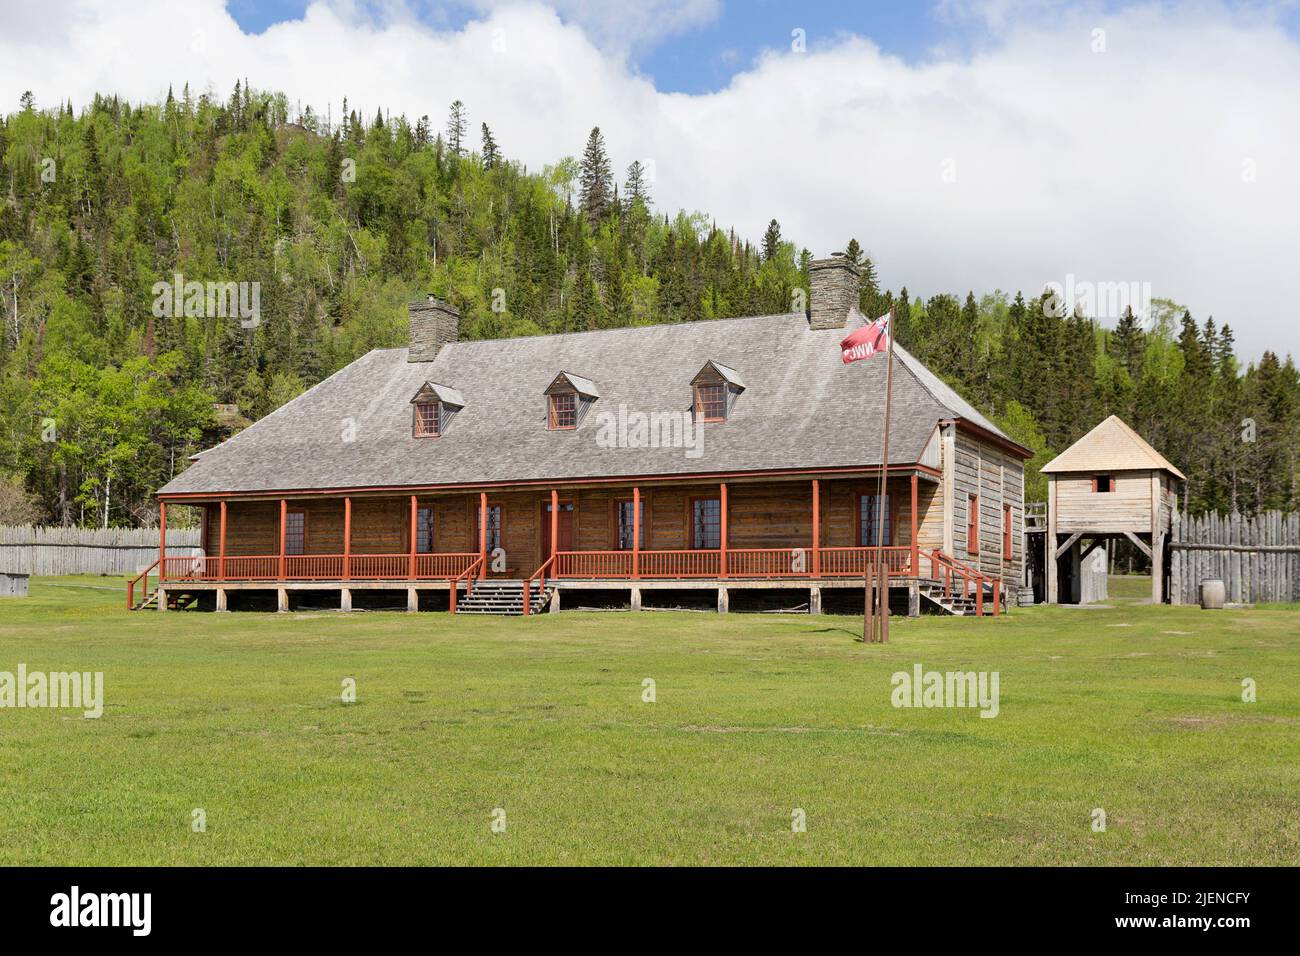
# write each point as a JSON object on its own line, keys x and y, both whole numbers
{"x": 954, "y": 603}
{"x": 501, "y": 596}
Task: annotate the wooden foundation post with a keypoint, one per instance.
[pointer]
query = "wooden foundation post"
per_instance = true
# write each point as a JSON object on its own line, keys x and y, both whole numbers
{"x": 162, "y": 542}
{"x": 916, "y": 549}
{"x": 221, "y": 545}
{"x": 636, "y": 540}
{"x": 347, "y": 545}
{"x": 816, "y": 566}
{"x": 284, "y": 521}
{"x": 1049, "y": 546}
{"x": 555, "y": 522}
{"x": 722, "y": 532}
{"x": 415, "y": 523}
{"x": 482, "y": 533}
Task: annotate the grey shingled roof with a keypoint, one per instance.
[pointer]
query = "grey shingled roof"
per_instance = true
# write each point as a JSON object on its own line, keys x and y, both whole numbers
{"x": 802, "y": 409}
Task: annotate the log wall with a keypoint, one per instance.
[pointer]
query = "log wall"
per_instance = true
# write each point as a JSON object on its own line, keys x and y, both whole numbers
{"x": 1257, "y": 558}
{"x": 25, "y": 549}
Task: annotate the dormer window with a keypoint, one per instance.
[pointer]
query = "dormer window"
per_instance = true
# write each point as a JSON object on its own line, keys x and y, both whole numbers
{"x": 426, "y": 419}
{"x": 567, "y": 399}
{"x": 564, "y": 410}
{"x": 716, "y": 387}
{"x": 711, "y": 402}
{"x": 433, "y": 408}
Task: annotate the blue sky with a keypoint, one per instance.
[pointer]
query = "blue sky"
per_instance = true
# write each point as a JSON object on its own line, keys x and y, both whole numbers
{"x": 704, "y": 56}
{"x": 1160, "y": 156}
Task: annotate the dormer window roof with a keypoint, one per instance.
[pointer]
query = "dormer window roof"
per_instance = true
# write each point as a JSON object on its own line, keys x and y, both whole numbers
{"x": 726, "y": 372}
{"x": 567, "y": 398}
{"x": 567, "y": 381}
{"x": 716, "y": 387}
{"x": 432, "y": 409}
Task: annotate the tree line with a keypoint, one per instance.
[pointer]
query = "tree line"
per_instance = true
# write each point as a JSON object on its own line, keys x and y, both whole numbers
{"x": 341, "y": 221}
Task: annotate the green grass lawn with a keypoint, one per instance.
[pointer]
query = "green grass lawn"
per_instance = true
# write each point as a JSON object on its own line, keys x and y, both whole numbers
{"x": 1135, "y": 709}
{"x": 1129, "y": 587}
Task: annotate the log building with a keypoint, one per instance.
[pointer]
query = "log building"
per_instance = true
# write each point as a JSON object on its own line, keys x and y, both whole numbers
{"x": 736, "y": 456}
{"x": 1109, "y": 484}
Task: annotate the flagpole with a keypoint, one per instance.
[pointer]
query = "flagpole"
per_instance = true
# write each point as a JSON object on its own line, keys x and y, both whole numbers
{"x": 882, "y": 576}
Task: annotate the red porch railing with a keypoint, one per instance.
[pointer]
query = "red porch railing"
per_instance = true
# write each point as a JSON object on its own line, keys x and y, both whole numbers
{"x": 680, "y": 564}
{"x": 468, "y": 577}
{"x": 317, "y": 567}
{"x": 955, "y": 574}
{"x": 852, "y": 562}
{"x": 142, "y": 577}
{"x": 259, "y": 568}
{"x": 540, "y": 576}
{"x": 313, "y": 567}
{"x": 593, "y": 564}
{"x": 449, "y": 565}
{"x": 741, "y": 563}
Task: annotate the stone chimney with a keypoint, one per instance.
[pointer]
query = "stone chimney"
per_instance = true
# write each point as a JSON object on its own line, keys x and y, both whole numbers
{"x": 835, "y": 285}
{"x": 434, "y": 323}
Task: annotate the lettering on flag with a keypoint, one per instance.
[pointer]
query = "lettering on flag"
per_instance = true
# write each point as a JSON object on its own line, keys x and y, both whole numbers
{"x": 867, "y": 341}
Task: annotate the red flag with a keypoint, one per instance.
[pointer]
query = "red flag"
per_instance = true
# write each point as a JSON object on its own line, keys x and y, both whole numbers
{"x": 867, "y": 341}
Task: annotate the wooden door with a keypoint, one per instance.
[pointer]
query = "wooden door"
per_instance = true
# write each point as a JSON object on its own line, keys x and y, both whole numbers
{"x": 564, "y": 529}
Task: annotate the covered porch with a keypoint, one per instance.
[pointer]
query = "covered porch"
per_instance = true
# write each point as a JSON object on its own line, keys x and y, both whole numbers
{"x": 789, "y": 531}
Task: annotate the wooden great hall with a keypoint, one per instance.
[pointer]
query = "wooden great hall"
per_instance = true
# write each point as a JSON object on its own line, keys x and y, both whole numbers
{"x": 736, "y": 456}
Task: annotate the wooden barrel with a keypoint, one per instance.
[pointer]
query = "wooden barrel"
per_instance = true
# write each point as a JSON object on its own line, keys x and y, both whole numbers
{"x": 1025, "y": 597}
{"x": 1213, "y": 594}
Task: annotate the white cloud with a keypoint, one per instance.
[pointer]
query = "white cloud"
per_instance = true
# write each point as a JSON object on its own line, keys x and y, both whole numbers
{"x": 1115, "y": 166}
{"x": 622, "y": 25}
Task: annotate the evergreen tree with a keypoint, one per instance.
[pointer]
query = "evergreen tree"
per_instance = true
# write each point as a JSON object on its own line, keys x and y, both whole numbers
{"x": 457, "y": 121}
{"x": 635, "y": 187}
{"x": 1128, "y": 344}
{"x": 491, "y": 155}
{"x": 596, "y": 180}
{"x": 772, "y": 240}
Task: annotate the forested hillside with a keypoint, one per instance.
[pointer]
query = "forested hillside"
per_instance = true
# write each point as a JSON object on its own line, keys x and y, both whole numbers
{"x": 341, "y": 223}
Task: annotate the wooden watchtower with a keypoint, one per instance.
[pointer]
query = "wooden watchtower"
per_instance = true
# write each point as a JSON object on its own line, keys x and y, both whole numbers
{"x": 1109, "y": 484}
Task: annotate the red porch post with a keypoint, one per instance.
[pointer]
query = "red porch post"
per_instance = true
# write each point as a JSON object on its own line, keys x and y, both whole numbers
{"x": 722, "y": 531}
{"x": 284, "y": 520}
{"x": 347, "y": 539}
{"x": 636, "y": 532}
{"x": 916, "y": 551}
{"x": 555, "y": 523}
{"x": 414, "y": 527}
{"x": 162, "y": 541}
{"x": 221, "y": 545}
{"x": 482, "y": 533}
{"x": 817, "y": 529}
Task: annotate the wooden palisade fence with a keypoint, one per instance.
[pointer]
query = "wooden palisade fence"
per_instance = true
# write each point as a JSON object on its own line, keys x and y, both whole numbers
{"x": 34, "y": 550}
{"x": 1257, "y": 559}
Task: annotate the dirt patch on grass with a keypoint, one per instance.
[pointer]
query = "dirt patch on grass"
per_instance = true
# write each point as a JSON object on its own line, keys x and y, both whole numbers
{"x": 1204, "y": 723}
{"x": 1199, "y": 723}
{"x": 720, "y": 729}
